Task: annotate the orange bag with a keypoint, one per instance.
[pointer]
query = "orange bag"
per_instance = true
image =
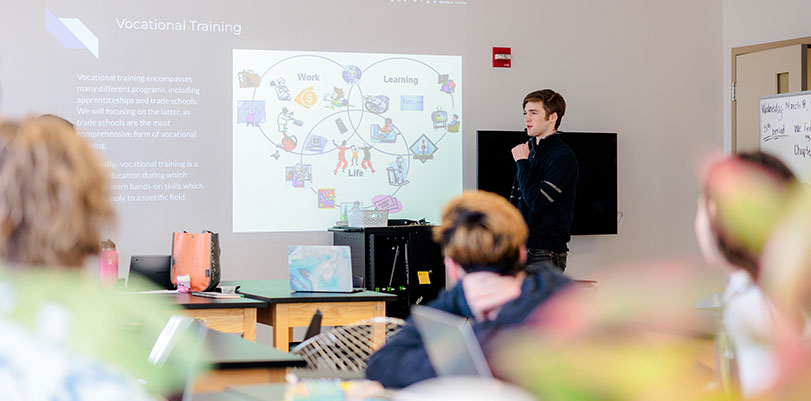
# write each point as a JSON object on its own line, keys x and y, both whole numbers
{"x": 197, "y": 255}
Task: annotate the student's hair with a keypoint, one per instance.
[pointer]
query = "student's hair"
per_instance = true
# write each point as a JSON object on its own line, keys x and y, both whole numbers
{"x": 54, "y": 116}
{"x": 770, "y": 171}
{"x": 771, "y": 164}
{"x": 482, "y": 230}
{"x": 552, "y": 103}
{"x": 54, "y": 194}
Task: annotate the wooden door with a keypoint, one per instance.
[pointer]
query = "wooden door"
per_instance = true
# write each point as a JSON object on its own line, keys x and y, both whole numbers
{"x": 759, "y": 74}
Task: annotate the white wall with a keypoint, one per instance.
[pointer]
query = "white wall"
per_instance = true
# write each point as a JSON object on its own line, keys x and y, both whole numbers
{"x": 648, "y": 70}
{"x": 752, "y": 22}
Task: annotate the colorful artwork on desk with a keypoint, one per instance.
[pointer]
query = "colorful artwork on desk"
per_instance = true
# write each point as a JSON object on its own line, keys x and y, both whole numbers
{"x": 319, "y": 268}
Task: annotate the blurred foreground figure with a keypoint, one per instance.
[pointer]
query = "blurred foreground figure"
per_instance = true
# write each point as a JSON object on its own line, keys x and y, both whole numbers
{"x": 786, "y": 279}
{"x": 635, "y": 338}
{"x": 743, "y": 199}
{"x": 482, "y": 238}
{"x": 639, "y": 338}
{"x": 63, "y": 338}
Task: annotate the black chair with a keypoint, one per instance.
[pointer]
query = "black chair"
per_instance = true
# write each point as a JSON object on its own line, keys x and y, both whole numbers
{"x": 314, "y": 328}
{"x": 357, "y": 281}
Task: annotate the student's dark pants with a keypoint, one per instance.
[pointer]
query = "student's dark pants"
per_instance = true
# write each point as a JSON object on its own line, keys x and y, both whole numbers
{"x": 558, "y": 259}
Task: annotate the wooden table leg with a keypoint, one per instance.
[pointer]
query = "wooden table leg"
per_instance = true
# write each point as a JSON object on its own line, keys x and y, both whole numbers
{"x": 380, "y": 309}
{"x": 281, "y": 326}
{"x": 379, "y": 330}
{"x": 249, "y": 324}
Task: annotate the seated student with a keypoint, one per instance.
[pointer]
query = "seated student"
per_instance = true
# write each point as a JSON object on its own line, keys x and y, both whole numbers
{"x": 482, "y": 238}
{"x": 62, "y": 336}
{"x": 742, "y": 200}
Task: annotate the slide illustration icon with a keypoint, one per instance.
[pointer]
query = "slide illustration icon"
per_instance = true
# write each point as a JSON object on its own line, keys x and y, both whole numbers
{"x": 72, "y": 33}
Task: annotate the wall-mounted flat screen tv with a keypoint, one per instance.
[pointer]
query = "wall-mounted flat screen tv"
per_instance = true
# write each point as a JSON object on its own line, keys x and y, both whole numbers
{"x": 595, "y": 209}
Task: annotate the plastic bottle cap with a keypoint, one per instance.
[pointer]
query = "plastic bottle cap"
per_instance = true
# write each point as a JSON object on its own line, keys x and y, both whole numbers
{"x": 108, "y": 244}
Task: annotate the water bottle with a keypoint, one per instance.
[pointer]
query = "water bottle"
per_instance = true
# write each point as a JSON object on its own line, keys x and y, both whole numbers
{"x": 108, "y": 263}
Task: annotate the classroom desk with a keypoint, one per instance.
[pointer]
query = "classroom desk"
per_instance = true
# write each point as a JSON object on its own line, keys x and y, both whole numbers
{"x": 226, "y": 315}
{"x": 267, "y": 392}
{"x": 287, "y": 310}
{"x": 219, "y": 396}
{"x": 236, "y": 361}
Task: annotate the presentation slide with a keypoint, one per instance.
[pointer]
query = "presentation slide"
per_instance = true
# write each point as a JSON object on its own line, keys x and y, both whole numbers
{"x": 249, "y": 117}
{"x": 332, "y": 132}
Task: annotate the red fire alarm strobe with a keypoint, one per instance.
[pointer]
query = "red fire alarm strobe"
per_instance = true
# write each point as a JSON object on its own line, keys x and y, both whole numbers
{"x": 502, "y": 57}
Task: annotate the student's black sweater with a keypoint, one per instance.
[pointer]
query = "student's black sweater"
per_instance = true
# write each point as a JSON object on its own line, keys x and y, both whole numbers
{"x": 544, "y": 191}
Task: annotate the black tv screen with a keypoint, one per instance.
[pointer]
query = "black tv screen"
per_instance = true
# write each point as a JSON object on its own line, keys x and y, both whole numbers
{"x": 595, "y": 208}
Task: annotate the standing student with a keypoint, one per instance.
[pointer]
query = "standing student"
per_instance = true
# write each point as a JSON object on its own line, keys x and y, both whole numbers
{"x": 544, "y": 186}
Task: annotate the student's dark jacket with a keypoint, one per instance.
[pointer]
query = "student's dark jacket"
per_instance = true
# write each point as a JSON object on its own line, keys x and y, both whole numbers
{"x": 404, "y": 361}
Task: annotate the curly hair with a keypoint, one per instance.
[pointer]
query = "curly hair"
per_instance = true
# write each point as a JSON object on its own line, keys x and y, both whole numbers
{"x": 482, "y": 229}
{"x": 54, "y": 194}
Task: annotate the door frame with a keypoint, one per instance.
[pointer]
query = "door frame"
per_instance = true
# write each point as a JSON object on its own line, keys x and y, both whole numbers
{"x": 737, "y": 51}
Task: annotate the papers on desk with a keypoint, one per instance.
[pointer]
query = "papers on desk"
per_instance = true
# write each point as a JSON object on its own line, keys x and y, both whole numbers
{"x": 218, "y": 295}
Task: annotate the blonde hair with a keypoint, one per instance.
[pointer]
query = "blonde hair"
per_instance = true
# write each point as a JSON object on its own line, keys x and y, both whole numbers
{"x": 54, "y": 194}
{"x": 482, "y": 229}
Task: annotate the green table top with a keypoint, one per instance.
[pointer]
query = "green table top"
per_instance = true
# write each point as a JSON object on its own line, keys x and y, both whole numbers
{"x": 278, "y": 291}
{"x": 189, "y": 301}
{"x": 229, "y": 351}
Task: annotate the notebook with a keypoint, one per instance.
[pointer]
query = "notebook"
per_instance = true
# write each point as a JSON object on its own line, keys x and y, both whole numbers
{"x": 450, "y": 342}
{"x": 319, "y": 268}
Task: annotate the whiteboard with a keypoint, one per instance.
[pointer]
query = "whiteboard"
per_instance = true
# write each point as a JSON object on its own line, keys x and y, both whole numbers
{"x": 785, "y": 130}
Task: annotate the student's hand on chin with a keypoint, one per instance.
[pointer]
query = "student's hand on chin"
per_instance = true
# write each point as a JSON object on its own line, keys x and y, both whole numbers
{"x": 487, "y": 292}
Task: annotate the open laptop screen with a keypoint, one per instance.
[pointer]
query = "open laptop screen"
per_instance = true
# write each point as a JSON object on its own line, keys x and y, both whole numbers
{"x": 318, "y": 268}
{"x": 450, "y": 342}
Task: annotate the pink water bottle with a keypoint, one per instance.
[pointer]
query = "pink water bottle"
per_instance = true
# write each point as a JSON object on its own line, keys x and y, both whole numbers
{"x": 108, "y": 263}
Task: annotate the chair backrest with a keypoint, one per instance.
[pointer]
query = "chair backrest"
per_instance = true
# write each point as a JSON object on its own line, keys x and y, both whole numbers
{"x": 315, "y": 326}
{"x": 357, "y": 281}
{"x": 347, "y": 348}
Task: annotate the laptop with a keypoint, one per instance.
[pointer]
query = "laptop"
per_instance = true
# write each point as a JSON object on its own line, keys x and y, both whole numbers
{"x": 150, "y": 270}
{"x": 450, "y": 343}
{"x": 318, "y": 268}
